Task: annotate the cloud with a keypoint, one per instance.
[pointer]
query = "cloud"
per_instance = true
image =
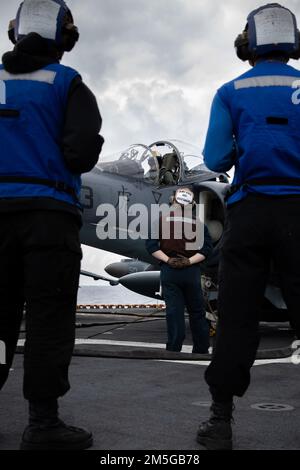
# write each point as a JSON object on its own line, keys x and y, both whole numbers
{"x": 154, "y": 66}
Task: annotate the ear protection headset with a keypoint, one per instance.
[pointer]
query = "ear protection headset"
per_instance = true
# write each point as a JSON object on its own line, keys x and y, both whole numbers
{"x": 241, "y": 45}
{"x": 66, "y": 37}
{"x": 11, "y": 31}
{"x": 246, "y": 43}
{"x": 70, "y": 36}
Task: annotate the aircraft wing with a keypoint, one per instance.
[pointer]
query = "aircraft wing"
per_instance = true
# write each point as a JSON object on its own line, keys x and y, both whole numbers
{"x": 98, "y": 277}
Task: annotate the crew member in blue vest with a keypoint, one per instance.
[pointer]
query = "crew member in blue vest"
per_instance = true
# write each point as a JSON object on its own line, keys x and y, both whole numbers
{"x": 181, "y": 245}
{"x": 254, "y": 126}
{"x": 49, "y": 134}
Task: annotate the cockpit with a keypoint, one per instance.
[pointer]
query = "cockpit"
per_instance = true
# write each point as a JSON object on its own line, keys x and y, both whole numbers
{"x": 164, "y": 163}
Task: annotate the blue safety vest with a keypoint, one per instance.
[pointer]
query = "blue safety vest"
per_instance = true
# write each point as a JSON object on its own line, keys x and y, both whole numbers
{"x": 264, "y": 104}
{"x": 32, "y": 111}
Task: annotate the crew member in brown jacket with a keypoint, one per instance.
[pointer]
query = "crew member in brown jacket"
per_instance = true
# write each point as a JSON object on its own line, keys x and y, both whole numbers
{"x": 181, "y": 270}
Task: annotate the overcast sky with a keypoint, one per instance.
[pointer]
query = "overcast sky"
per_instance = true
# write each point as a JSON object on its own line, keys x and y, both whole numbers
{"x": 154, "y": 65}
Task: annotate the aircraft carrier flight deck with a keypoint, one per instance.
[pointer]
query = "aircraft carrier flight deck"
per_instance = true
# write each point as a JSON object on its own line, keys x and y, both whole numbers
{"x": 134, "y": 395}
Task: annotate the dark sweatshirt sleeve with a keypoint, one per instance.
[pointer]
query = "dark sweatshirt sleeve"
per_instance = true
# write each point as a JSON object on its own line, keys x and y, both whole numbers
{"x": 208, "y": 247}
{"x": 82, "y": 143}
{"x": 152, "y": 246}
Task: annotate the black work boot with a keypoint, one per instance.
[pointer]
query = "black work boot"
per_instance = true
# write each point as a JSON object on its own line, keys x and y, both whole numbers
{"x": 47, "y": 432}
{"x": 216, "y": 433}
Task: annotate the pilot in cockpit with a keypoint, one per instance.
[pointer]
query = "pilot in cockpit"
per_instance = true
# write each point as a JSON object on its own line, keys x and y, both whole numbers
{"x": 169, "y": 171}
{"x": 154, "y": 162}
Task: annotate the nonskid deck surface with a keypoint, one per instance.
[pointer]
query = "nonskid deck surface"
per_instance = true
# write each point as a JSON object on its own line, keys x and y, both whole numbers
{"x": 156, "y": 402}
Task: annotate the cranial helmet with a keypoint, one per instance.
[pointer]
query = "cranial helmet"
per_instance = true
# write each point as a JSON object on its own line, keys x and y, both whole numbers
{"x": 184, "y": 196}
{"x": 51, "y": 19}
{"x": 271, "y": 28}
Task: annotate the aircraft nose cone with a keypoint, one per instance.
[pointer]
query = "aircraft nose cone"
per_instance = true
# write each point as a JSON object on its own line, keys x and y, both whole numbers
{"x": 146, "y": 283}
{"x": 123, "y": 268}
{"x": 117, "y": 270}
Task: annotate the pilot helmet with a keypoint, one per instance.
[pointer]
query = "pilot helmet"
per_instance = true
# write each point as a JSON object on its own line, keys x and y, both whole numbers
{"x": 51, "y": 19}
{"x": 184, "y": 197}
{"x": 270, "y": 29}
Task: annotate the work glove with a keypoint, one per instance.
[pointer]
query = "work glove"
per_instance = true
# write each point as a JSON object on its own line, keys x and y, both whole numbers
{"x": 179, "y": 263}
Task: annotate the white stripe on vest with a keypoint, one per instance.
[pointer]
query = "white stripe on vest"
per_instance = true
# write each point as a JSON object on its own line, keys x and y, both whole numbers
{"x": 44, "y": 76}
{"x": 265, "y": 81}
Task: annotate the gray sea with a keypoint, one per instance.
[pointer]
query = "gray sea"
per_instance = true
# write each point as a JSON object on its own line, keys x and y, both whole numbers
{"x": 97, "y": 295}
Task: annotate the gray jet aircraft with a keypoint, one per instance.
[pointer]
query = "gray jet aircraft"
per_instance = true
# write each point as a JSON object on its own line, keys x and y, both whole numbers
{"x": 150, "y": 175}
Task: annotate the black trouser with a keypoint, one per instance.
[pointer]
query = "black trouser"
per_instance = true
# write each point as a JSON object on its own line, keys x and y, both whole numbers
{"x": 182, "y": 287}
{"x": 258, "y": 230}
{"x": 39, "y": 265}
